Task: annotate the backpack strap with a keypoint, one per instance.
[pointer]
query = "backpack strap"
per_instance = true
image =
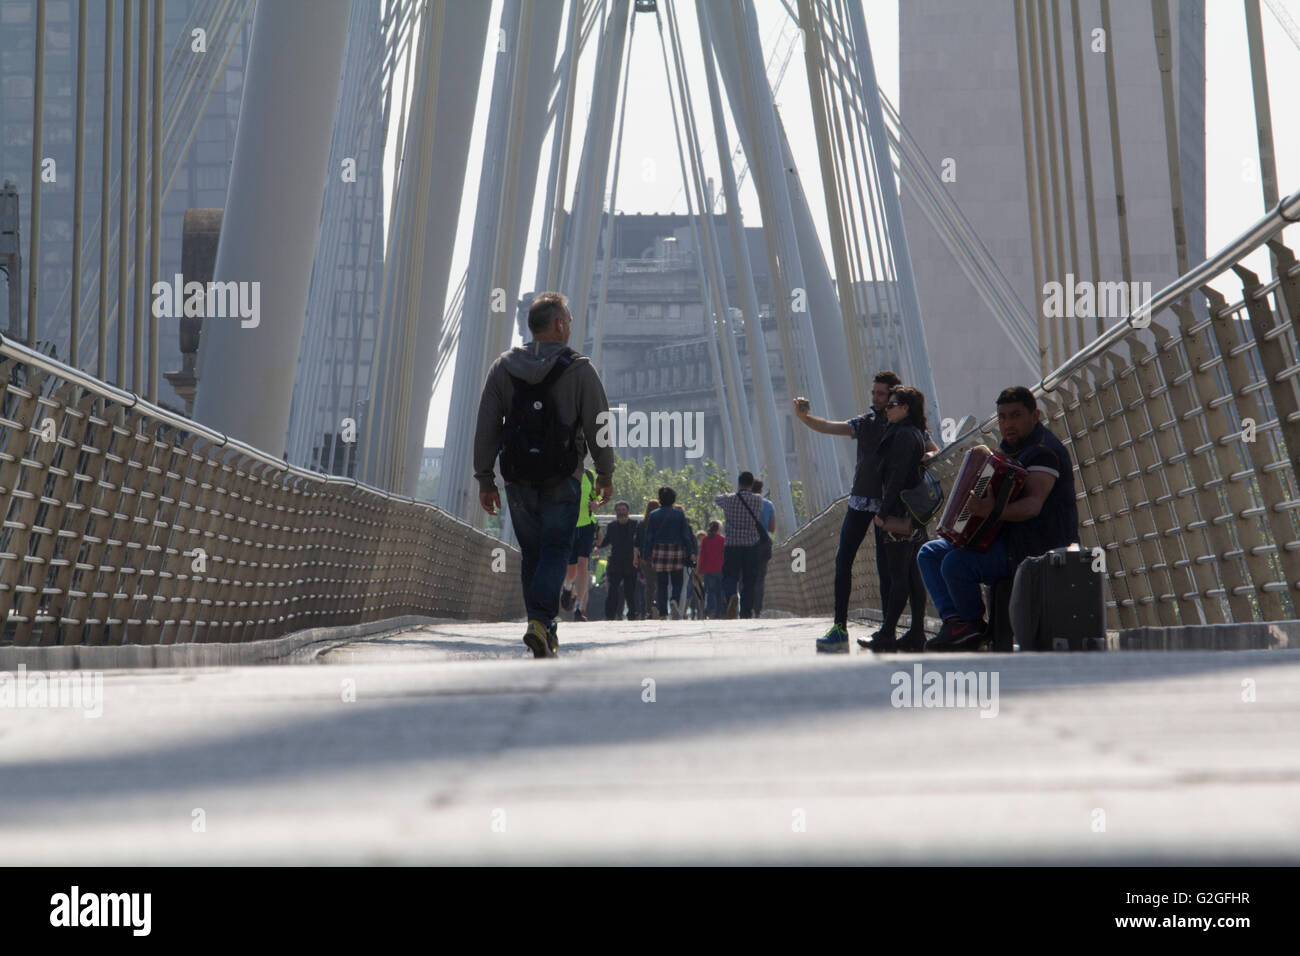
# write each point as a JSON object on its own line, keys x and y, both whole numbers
{"x": 762, "y": 531}
{"x": 561, "y": 365}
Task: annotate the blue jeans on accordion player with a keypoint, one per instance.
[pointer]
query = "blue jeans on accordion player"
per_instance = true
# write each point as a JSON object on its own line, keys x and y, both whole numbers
{"x": 953, "y": 576}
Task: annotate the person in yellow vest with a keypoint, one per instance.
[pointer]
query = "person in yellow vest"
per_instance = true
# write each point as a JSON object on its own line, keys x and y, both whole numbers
{"x": 577, "y": 580}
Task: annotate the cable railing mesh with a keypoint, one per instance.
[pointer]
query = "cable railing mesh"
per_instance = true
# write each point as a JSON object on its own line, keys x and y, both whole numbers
{"x": 1183, "y": 435}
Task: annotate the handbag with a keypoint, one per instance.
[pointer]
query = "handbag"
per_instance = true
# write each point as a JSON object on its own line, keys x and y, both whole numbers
{"x": 924, "y": 499}
{"x": 764, "y": 539}
{"x": 897, "y": 524}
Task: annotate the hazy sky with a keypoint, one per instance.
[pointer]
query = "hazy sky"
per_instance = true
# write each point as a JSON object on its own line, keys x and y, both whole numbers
{"x": 1234, "y": 198}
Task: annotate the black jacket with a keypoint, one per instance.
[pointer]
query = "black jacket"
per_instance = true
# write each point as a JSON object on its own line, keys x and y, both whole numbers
{"x": 901, "y": 449}
{"x": 622, "y": 540}
{"x": 667, "y": 526}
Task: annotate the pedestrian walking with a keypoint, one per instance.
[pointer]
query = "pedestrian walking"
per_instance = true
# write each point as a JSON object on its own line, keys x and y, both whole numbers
{"x": 623, "y": 538}
{"x": 748, "y": 546}
{"x": 767, "y": 519}
{"x": 710, "y": 568}
{"x": 667, "y": 545}
{"x": 540, "y": 414}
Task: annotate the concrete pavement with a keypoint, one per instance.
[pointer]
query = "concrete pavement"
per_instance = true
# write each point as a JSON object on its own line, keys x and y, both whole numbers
{"x": 661, "y": 742}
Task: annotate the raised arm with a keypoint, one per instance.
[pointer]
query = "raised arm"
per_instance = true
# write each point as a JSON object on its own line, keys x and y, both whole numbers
{"x": 823, "y": 425}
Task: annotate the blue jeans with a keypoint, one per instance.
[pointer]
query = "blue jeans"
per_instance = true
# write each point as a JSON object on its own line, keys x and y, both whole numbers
{"x": 953, "y": 576}
{"x": 545, "y": 519}
{"x": 713, "y": 603}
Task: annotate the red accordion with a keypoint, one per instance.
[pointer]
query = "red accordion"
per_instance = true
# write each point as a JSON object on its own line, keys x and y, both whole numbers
{"x": 981, "y": 471}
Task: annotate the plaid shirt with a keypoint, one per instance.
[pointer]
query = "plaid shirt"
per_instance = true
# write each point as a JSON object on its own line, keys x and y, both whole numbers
{"x": 742, "y": 530}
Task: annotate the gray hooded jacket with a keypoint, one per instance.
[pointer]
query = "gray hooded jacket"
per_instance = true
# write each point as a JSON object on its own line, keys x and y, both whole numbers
{"x": 579, "y": 396}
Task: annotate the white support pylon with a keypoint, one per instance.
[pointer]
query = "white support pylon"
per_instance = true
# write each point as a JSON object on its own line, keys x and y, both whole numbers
{"x": 593, "y": 172}
{"x": 817, "y": 455}
{"x": 272, "y": 220}
{"x": 919, "y": 355}
{"x": 464, "y": 34}
{"x": 455, "y": 492}
{"x": 742, "y": 431}
{"x": 483, "y": 333}
{"x": 760, "y": 371}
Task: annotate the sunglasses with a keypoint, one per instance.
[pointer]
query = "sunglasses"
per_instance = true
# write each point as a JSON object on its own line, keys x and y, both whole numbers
{"x": 896, "y": 405}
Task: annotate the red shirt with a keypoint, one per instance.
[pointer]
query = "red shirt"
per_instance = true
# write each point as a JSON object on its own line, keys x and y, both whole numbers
{"x": 711, "y": 554}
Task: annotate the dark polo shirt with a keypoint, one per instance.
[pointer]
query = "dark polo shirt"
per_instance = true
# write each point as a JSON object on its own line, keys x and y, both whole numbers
{"x": 1057, "y": 524}
{"x": 868, "y": 429}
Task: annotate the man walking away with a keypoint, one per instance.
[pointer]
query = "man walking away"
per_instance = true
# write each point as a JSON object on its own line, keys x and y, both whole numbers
{"x": 767, "y": 518}
{"x": 623, "y": 538}
{"x": 740, "y": 555}
{"x": 538, "y": 412}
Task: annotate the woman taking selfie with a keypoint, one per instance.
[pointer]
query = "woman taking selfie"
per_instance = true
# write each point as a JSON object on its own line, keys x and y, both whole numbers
{"x": 902, "y": 448}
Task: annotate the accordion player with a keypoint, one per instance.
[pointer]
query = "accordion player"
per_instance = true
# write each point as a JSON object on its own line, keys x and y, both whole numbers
{"x": 982, "y": 472}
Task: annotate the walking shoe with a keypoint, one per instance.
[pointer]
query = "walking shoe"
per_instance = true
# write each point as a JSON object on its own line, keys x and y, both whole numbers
{"x": 553, "y": 639}
{"x": 566, "y": 598}
{"x": 834, "y": 641}
{"x": 884, "y": 642}
{"x": 913, "y": 642}
{"x": 674, "y": 610}
{"x": 733, "y": 607}
{"x": 537, "y": 637}
{"x": 578, "y": 615}
{"x": 957, "y": 635}
{"x": 865, "y": 642}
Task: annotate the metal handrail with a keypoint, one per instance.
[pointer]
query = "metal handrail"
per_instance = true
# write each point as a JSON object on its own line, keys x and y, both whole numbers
{"x": 21, "y": 353}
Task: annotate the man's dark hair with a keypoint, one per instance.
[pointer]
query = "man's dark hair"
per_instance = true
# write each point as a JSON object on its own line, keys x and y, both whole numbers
{"x": 758, "y": 486}
{"x": 666, "y": 497}
{"x": 914, "y": 399}
{"x": 622, "y": 504}
{"x": 746, "y": 479}
{"x": 546, "y": 308}
{"x": 888, "y": 378}
{"x": 1017, "y": 393}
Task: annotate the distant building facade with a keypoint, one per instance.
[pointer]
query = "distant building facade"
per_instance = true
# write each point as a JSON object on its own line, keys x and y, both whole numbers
{"x": 656, "y": 354}
{"x": 960, "y": 99}
{"x": 200, "y": 182}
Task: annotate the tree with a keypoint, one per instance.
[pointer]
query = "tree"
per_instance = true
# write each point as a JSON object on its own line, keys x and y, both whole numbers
{"x": 426, "y": 489}
{"x": 636, "y": 482}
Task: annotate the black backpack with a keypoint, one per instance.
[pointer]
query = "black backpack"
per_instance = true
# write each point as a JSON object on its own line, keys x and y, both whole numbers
{"x": 536, "y": 446}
